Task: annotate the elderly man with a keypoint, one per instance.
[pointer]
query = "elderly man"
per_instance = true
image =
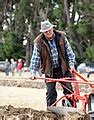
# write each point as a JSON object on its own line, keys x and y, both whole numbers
{"x": 53, "y": 53}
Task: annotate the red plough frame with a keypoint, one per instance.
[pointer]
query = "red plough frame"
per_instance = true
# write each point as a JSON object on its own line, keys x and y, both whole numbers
{"x": 76, "y": 95}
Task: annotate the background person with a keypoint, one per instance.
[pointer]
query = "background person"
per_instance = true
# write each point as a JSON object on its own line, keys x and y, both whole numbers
{"x": 19, "y": 66}
{"x": 13, "y": 66}
{"x": 54, "y": 54}
{"x": 7, "y": 67}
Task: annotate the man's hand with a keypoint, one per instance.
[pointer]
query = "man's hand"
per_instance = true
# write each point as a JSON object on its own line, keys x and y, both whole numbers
{"x": 71, "y": 70}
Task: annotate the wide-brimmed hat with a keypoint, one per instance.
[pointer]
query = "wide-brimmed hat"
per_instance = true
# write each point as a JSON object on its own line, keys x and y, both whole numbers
{"x": 45, "y": 26}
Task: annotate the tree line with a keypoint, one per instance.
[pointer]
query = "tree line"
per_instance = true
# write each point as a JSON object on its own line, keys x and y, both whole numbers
{"x": 20, "y": 24}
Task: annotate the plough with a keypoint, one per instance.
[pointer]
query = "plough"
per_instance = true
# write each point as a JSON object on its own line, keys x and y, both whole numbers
{"x": 87, "y": 99}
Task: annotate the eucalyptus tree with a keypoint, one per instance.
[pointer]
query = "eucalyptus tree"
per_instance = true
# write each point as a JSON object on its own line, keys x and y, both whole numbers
{"x": 2, "y": 6}
{"x": 12, "y": 45}
{"x": 28, "y": 16}
{"x": 75, "y": 17}
{"x": 78, "y": 19}
{"x": 1, "y": 12}
{"x": 84, "y": 29}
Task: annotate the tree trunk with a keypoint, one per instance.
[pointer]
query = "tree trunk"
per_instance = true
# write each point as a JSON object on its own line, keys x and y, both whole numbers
{"x": 67, "y": 12}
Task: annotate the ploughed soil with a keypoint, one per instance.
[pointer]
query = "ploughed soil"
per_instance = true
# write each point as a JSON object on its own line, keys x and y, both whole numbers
{"x": 21, "y": 91}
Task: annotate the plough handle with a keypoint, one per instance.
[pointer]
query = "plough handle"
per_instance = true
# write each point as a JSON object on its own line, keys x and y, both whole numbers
{"x": 84, "y": 79}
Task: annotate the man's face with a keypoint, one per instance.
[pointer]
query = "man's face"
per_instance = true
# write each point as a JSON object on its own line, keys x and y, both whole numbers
{"x": 49, "y": 33}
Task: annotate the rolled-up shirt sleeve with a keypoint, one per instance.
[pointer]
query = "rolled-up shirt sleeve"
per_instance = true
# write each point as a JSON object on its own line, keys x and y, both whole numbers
{"x": 70, "y": 54}
{"x": 35, "y": 60}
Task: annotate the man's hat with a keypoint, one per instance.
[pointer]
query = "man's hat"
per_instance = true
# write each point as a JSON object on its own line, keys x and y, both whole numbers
{"x": 45, "y": 26}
